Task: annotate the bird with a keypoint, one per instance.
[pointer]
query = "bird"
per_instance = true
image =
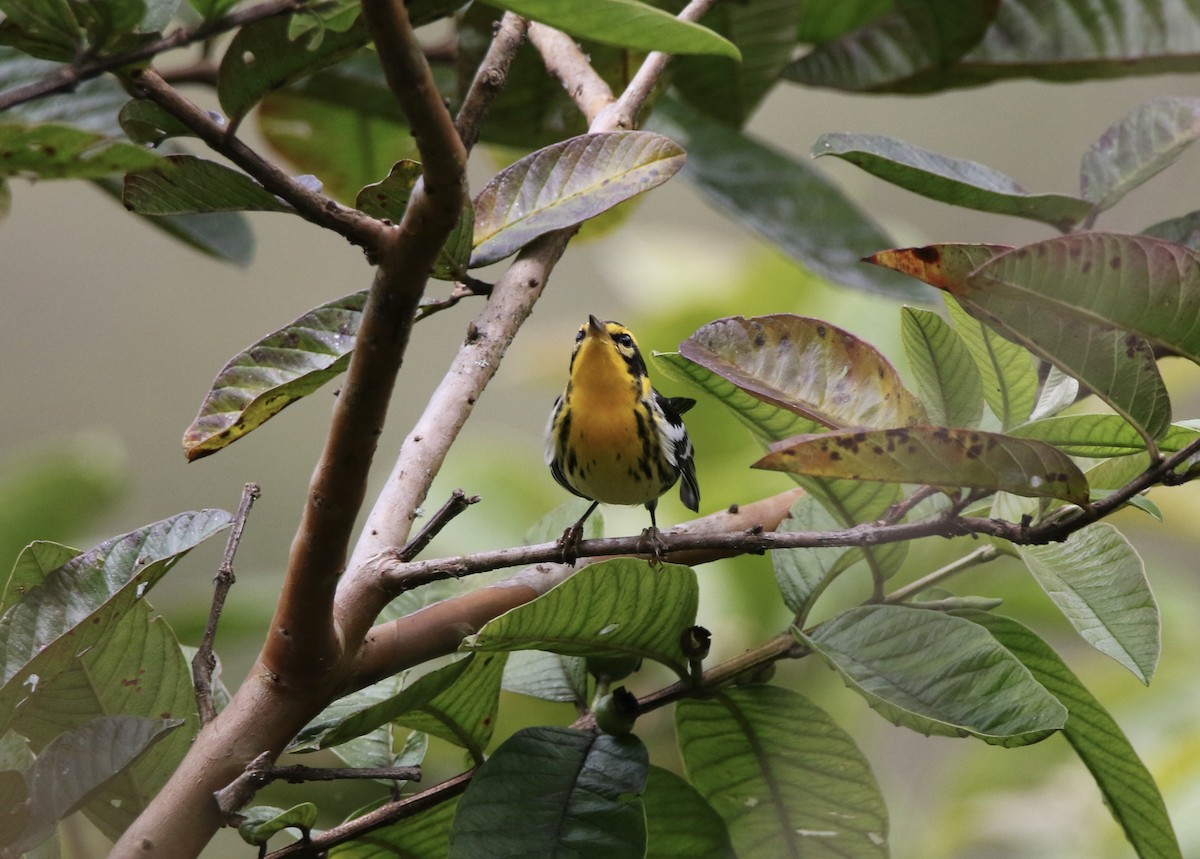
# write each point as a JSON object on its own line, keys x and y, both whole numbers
{"x": 612, "y": 438}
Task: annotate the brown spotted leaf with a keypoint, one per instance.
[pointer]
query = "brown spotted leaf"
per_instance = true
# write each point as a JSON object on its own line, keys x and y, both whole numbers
{"x": 808, "y": 367}
{"x": 283, "y": 367}
{"x": 936, "y": 456}
{"x": 1067, "y": 302}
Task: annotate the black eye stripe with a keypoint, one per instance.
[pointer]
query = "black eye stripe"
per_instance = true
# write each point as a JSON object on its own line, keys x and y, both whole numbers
{"x": 623, "y": 339}
{"x": 579, "y": 335}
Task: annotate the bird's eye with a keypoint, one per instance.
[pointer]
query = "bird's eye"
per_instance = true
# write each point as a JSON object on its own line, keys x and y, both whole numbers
{"x": 579, "y": 335}
{"x": 623, "y": 340}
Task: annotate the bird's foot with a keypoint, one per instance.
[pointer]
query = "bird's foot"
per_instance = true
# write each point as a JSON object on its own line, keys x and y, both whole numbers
{"x": 569, "y": 542}
{"x": 651, "y": 543}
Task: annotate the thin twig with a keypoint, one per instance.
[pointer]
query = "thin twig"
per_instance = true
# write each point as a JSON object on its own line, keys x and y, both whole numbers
{"x": 565, "y": 60}
{"x": 69, "y": 77}
{"x": 238, "y": 793}
{"x": 490, "y": 77}
{"x": 205, "y": 661}
{"x": 380, "y": 817}
{"x": 313, "y": 206}
{"x": 982, "y": 555}
{"x": 455, "y": 504}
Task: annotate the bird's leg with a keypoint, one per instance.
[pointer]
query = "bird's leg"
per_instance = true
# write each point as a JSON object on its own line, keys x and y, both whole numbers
{"x": 568, "y": 543}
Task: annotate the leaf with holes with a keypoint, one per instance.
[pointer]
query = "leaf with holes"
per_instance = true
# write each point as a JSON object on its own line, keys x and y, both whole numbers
{"x": 936, "y": 674}
{"x": 621, "y": 606}
{"x": 950, "y": 180}
{"x": 272, "y": 374}
{"x": 786, "y": 780}
{"x": 807, "y": 366}
{"x": 565, "y": 184}
{"x": 937, "y": 456}
{"x": 52, "y": 151}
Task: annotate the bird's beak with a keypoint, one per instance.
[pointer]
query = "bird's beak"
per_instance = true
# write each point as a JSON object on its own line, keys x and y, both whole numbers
{"x": 595, "y": 326}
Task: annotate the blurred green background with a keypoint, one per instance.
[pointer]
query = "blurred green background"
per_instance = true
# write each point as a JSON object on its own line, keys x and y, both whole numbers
{"x": 112, "y": 333}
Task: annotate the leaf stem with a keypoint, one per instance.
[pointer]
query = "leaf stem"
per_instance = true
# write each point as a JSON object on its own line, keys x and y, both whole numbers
{"x": 981, "y": 555}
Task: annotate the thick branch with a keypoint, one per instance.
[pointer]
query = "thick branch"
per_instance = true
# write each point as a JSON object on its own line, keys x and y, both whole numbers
{"x": 69, "y": 77}
{"x": 311, "y": 205}
{"x": 490, "y": 77}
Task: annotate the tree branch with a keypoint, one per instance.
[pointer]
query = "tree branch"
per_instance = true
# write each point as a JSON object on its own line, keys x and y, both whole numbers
{"x": 313, "y": 206}
{"x": 377, "y": 819}
{"x": 69, "y": 77}
{"x": 489, "y": 77}
{"x": 564, "y": 59}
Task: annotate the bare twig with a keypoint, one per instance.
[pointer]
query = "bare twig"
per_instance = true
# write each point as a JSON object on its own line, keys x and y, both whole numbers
{"x": 380, "y": 817}
{"x": 69, "y": 77}
{"x": 564, "y": 59}
{"x": 359, "y": 229}
{"x": 205, "y": 661}
{"x": 241, "y": 790}
{"x": 490, "y": 77}
{"x": 455, "y": 504}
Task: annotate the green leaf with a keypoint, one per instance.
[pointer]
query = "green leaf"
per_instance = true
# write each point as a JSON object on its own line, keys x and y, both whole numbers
{"x": 136, "y": 670}
{"x": 1058, "y": 40}
{"x": 950, "y": 180}
{"x": 725, "y": 89}
{"x": 341, "y": 124}
{"x": 210, "y": 10}
{"x": 549, "y": 676}
{"x": 262, "y": 57}
{"x": 555, "y": 793}
{"x": 1098, "y": 582}
{"x": 74, "y": 607}
{"x": 223, "y": 235}
{"x": 824, "y": 20}
{"x": 53, "y": 151}
{"x": 760, "y": 188}
{"x": 936, "y": 456}
{"x": 680, "y": 824}
{"x": 808, "y": 366}
{"x": 1008, "y": 371}
{"x": 184, "y": 185}
{"x": 272, "y": 374}
{"x": 145, "y": 122}
{"x": 424, "y": 834}
{"x": 76, "y": 764}
{"x": 1059, "y": 390}
{"x": 464, "y": 713}
{"x": 950, "y": 384}
{"x": 262, "y": 822}
{"x": 936, "y": 674}
{"x": 803, "y": 574}
{"x": 389, "y": 198}
{"x": 626, "y": 23}
{"x": 619, "y": 606}
{"x": 565, "y": 184}
{"x": 1101, "y": 435}
{"x": 47, "y": 29}
{"x": 1139, "y": 146}
{"x": 457, "y": 702}
{"x": 909, "y": 49}
{"x": 787, "y": 781}
{"x": 1129, "y": 790}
